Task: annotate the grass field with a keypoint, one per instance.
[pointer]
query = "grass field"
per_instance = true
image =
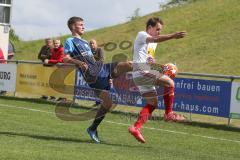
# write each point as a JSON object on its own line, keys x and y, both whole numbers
{"x": 30, "y": 130}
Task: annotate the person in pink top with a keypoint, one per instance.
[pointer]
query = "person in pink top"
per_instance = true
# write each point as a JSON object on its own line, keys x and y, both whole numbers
{"x": 2, "y": 59}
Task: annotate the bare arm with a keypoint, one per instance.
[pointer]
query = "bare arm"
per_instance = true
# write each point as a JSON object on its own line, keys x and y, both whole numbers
{"x": 79, "y": 64}
{"x": 161, "y": 38}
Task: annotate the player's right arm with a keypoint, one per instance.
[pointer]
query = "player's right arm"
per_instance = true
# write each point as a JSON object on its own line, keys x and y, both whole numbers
{"x": 161, "y": 38}
{"x": 68, "y": 49}
{"x": 79, "y": 64}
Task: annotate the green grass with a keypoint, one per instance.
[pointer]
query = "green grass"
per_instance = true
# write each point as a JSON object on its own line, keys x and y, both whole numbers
{"x": 30, "y": 134}
{"x": 212, "y": 44}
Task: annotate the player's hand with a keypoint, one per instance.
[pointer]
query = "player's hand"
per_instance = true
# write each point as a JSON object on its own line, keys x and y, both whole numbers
{"x": 150, "y": 60}
{"x": 180, "y": 34}
{"x": 110, "y": 81}
{"x": 83, "y": 66}
{"x": 46, "y": 61}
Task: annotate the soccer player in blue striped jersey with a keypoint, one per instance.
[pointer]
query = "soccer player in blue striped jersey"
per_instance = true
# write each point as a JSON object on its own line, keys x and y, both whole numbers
{"x": 96, "y": 74}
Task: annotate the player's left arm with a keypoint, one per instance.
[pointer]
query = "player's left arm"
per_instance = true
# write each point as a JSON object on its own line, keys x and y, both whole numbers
{"x": 161, "y": 38}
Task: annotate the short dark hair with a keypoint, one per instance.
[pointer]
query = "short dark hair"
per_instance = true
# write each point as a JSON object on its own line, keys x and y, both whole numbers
{"x": 153, "y": 22}
{"x": 72, "y": 21}
{"x": 48, "y": 39}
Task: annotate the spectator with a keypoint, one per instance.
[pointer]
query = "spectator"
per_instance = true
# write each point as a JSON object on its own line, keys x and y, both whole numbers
{"x": 56, "y": 57}
{"x": 45, "y": 52}
{"x": 2, "y": 59}
{"x": 97, "y": 52}
{"x": 57, "y": 53}
{"x": 11, "y": 50}
{"x": 99, "y": 56}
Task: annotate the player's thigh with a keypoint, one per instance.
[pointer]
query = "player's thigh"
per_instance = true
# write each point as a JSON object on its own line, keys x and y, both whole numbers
{"x": 123, "y": 67}
{"x": 151, "y": 98}
{"x": 106, "y": 99}
{"x": 145, "y": 78}
{"x": 165, "y": 81}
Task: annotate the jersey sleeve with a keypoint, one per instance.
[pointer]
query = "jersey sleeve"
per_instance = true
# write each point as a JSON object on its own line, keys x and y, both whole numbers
{"x": 68, "y": 47}
{"x": 142, "y": 37}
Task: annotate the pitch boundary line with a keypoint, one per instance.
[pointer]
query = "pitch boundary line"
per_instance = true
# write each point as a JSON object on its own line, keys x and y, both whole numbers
{"x": 125, "y": 124}
{"x": 177, "y": 132}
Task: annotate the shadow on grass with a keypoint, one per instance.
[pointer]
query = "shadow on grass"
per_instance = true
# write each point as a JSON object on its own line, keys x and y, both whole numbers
{"x": 37, "y": 100}
{"x": 32, "y": 100}
{"x": 66, "y": 139}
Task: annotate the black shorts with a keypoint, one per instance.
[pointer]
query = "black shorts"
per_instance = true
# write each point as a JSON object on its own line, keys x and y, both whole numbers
{"x": 102, "y": 80}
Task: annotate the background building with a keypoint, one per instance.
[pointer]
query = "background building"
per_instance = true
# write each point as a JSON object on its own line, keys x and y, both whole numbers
{"x": 5, "y": 17}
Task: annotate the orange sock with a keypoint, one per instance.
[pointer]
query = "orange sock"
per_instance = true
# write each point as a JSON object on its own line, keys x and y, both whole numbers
{"x": 168, "y": 99}
{"x": 144, "y": 115}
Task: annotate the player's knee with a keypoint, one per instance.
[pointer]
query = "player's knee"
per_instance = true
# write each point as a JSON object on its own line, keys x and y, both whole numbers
{"x": 169, "y": 83}
{"x": 130, "y": 65}
{"x": 153, "y": 104}
{"x": 152, "y": 101}
{"x": 106, "y": 101}
{"x": 107, "y": 106}
{"x": 169, "y": 91}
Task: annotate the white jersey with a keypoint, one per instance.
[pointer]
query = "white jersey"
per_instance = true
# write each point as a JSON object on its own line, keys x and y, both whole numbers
{"x": 143, "y": 77}
{"x": 142, "y": 51}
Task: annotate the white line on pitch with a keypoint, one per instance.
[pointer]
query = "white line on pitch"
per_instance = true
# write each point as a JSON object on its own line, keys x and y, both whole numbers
{"x": 177, "y": 132}
{"x": 125, "y": 124}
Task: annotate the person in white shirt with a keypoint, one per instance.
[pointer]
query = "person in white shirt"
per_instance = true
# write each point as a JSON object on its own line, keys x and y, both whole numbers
{"x": 146, "y": 78}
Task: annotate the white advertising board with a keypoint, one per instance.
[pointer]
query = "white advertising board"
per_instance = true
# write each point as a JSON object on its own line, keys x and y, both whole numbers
{"x": 8, "y": 77}
{"x": 235, "y": 100}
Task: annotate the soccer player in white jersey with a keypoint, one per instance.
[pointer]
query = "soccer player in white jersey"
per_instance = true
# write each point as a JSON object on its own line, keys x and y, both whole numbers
{"x": 146, "y": 79}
